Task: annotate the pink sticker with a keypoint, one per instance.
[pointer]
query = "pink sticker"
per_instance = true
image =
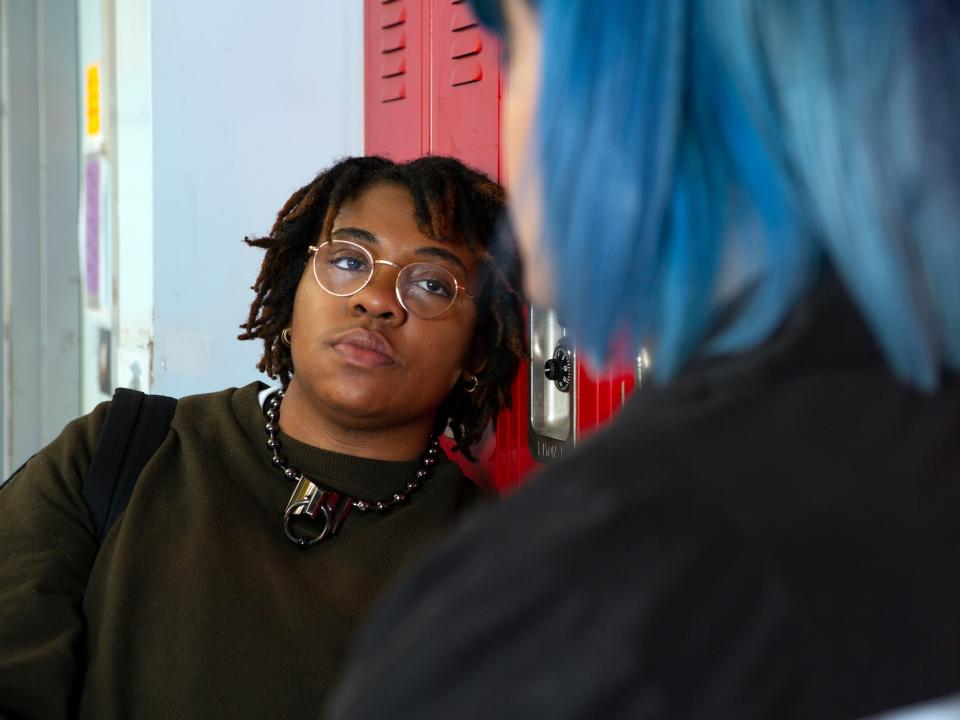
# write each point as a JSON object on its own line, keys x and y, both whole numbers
{"x": 92, "y": 234}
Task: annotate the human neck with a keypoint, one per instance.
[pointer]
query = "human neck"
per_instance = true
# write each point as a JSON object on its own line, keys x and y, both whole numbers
{"x": 300, "y": 420}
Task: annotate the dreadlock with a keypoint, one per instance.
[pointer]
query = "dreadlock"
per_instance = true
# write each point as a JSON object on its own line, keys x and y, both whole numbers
{"x": 451, "y": 203}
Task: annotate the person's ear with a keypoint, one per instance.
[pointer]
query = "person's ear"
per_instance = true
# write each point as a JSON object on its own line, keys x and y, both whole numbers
{"x": 476, "y": 357}
{"x": 475, "y": 363}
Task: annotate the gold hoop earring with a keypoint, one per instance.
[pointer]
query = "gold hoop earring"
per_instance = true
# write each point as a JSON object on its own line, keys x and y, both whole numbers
{"x": 285, "y": 336}
{"x": 469, "y": 383}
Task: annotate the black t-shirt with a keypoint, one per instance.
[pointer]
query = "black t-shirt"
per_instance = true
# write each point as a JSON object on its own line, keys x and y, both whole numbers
{"x": 774, "y": 535}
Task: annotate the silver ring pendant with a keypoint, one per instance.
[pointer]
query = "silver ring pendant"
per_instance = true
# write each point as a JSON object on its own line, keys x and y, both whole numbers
{"x": 299, "y": 508}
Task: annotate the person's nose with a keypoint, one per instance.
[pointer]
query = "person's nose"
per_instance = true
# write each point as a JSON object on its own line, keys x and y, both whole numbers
{"x": 379, "y": 297}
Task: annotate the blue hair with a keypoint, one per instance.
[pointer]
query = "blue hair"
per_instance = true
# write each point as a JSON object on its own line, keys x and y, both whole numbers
{"x": 696, "y": 150}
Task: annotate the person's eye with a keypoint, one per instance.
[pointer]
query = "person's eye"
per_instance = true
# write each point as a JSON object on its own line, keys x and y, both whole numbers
{"x": 435, "y": 286}
{"x": 349, "y": 262}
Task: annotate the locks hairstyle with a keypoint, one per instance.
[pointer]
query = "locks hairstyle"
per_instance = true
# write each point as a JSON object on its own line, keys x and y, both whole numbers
{"x": 451, "y": 203}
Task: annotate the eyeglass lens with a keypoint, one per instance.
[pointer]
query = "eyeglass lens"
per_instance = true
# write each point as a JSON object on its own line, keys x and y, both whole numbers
{"x": 344, "y": 268}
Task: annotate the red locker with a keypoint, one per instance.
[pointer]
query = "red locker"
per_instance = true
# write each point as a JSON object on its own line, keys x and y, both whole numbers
{"x": 465, "y": 88}
{"x": 433, "y": 85}
{"x": 396, "y": 80}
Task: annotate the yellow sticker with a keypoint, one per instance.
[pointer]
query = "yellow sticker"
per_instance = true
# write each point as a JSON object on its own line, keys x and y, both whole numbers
{"x": 93, "y": 99}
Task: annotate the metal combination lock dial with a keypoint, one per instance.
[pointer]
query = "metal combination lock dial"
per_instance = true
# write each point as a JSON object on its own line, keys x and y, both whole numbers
{"x": 559, "y": 368}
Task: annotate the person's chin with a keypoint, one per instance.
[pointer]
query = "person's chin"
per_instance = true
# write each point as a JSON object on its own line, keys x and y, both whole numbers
{"x": 365, "y": 412}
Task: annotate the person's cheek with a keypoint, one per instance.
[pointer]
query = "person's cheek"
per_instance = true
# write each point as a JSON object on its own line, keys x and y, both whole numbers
{"x": 520, "y": 111}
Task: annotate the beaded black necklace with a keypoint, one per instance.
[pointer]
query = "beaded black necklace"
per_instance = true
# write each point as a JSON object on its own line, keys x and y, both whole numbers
{"x": 310, "y": 500}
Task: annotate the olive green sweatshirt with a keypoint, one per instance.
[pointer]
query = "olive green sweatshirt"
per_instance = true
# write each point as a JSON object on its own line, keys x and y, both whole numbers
{"x": 196, "y": 605}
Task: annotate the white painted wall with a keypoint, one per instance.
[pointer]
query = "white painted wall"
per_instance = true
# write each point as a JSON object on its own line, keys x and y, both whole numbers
{"x": 249, "y": 101}
{"x": 212, "y": 113}
{"x": 132, "y": 165}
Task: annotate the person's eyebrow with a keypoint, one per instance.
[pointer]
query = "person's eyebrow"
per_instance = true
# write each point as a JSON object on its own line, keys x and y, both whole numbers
{"x": 443, "y": 254}
{"x": 357, "y": 234}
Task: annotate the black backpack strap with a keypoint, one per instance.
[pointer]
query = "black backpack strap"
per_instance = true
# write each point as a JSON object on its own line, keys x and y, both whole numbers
{"x": 135, "y": 426}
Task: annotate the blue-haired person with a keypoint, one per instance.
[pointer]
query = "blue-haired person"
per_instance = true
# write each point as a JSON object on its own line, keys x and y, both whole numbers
{"x": 766, "y": 195}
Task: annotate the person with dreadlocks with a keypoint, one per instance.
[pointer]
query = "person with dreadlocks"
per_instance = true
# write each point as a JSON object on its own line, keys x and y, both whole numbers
{"x": 269, "y": 521}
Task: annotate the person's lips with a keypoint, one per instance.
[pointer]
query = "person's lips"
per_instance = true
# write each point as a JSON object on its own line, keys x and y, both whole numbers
{"x": 364, "y": 348}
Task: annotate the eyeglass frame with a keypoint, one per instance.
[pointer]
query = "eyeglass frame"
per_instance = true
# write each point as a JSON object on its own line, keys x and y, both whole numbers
{"x": 314, "y": 249}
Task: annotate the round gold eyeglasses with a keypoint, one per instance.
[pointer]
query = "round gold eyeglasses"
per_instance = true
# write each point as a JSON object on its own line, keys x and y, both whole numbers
{"x": 343, "y": 268}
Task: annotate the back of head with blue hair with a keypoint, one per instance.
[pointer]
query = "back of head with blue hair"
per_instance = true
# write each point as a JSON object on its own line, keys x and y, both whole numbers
{"x": 695, "y": 150}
